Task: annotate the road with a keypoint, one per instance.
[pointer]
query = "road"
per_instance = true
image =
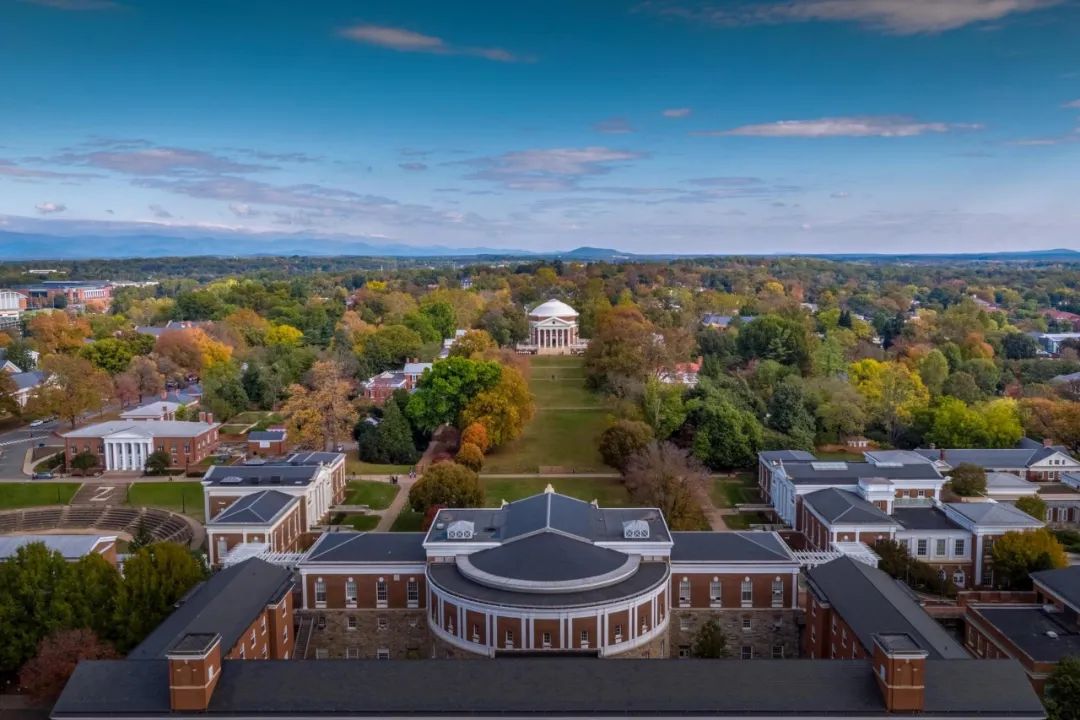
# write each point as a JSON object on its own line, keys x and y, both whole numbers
{"x": 15, "y": 443}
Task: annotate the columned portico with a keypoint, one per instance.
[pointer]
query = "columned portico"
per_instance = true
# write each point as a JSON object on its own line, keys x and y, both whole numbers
{"x": 127, "y": 454}
{"x": 553, "y": 329}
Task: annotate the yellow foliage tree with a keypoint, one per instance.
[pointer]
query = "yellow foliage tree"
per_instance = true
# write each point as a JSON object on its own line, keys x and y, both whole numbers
{"x": 285, "y": 335}
{"x": 892, "y": 391}
{"x": 58, "y": 332}
{"x": 320, "y": 414}
{"x": 503, "y": 410}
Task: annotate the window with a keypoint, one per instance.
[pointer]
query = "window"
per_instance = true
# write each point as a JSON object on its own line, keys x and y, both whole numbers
{"x": 584, "y": 638}
{"x": 350, "y": 592}
{"x": 546, "y": 639}
{"x": 777, "y": 652}
{"x": 320, "y": 591}
{"x": 747, "y": 624}
{"x": 412, "y": 590}
{"x": 747, "y": 652}
{"x": 252, "y": 636}
{"x": 380, "y": 593}
{"x": 684, "y": 591}
{"x": 321, "y": 622}
{"x": 475, "y": 633}
{"x": 939, "y": 547}
{"x": 959, "y": 547}
{"x": 509, "y": 638}
{"x": 352, "y": 653}
{"x": 242, "y": 653}
{"x": 352, "y": 622}
{"x": 778, "y": 592}
{"x": 382, "y": 654}
{"x": 922, "y": 547}
{"x": 381, "y": 622}
{"x": 714, "y": 593}
{"x": 684, "y": 623}
{"x": 747, "y": 595}
{"x": 618, "y": 633}
{"x": 684, "y": 651}
{"x": 959, "y": 578}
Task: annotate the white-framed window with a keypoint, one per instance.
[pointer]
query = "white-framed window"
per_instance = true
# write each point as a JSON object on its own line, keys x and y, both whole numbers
{"x": 618, "y": 633}
{"x": 959, "y": 578}
{"x": 940, "y": 546}
{"x": 747, "y": 623}
{"x": 262, "y": 624}
{"x": 351, "y": 622}
{"x": 412, "y": 592}
{"x": 747, "y": 652}
{"x": 508, "y": 638}
{"x": 350, "y": 592}
{"x": 320, "y": 591}
{"x": 382, "y": 654}
{"x": 777, "y": 592}
{"x": 546, "y": 639}
{"x": 475, "y": 633}
{"x": 684, "y": 591}
{"x": 922, "y": 547}
{"x": 684, "y": 651}
{"x": 684, "y": 623}
{"x": 715, "y": 593}
{"x": 747, "y": 593}
{"x": 584, "y": 638}
{"x": 381, "y": 592}
{"x": 959, "y": 547}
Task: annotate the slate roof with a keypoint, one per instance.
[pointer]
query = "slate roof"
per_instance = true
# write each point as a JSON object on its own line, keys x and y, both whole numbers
{"x": 900, "y": 457}
{"x": 1018, "y": 457}
{"x": 785, "y": 455}
{"x": 547, "y": 557}
{"x": 153, "y": 409}
{"x": 256, "y": 509}
{"x": 1005, "y": 482}
{"x": 1065, "y": 583}
{"x": 923, "y": 518}
{"x": 750, "y": 546}
{"x": 1027, "y": 628}
{"x": 266, "y": 474}
{"x": 539, "y": 687}
{"x": 314, "y": 458}
{"x": 367, "y": 547}
{"x": 144, "y": 428}
{"x": 840, "y": 507}
{"x": 821, "y": 472}
{"x": 27, "y": 380}
{"x": 72, "y": 547}
{"x": 871, "y": 602}
{"x": 226, "y": 604}
{"x": 549, "y": 511}
{"x": 994, "y": 514}
{"x": 268, "y": 435}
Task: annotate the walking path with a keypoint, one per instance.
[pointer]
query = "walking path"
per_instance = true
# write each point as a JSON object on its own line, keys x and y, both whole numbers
{"x": 389, "y": 515}
{"x": 713, "y": 514}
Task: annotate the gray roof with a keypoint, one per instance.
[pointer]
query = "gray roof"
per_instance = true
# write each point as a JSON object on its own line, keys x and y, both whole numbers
{"x": 143, "y": 428}
{"x": 785, "y": 455}
{"x": 1065, "y": 583}
{"x": 825, "y": 472}
{"x": 225, "y": 604}
{"x": 314, "y": 458}
{"x": 1028, "y": 628}
{"x": 539, "y": 687}
{"x": 449, "y": 578}
{"x": 367, "y": 547}
{"x": 994, "y": 514}
{"x": 895, "y": 457}
{"x": 840, "y": 507}
{"x": 267, "y": 474}
{"x": 547, "y": 557}
{"x": 257, "y": 508}
{"x": 27, "y": 380}
{"x": 269, "y": 435}
{"x": 923, "y": 518}
{"x": 72, "y": 547}
{"x": 755, "y": 547}
{"x": 873, "y": 603}
{"x": 1018, "y": 457}
{"x": 549, "y": 511}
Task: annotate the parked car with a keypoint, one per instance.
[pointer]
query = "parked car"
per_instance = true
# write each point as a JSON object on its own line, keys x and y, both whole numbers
{"x": 43, "y": 476}
{"x": 38, "y": 423}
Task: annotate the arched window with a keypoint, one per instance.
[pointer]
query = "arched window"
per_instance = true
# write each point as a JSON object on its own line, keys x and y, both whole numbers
{"x": 747, "y": 592}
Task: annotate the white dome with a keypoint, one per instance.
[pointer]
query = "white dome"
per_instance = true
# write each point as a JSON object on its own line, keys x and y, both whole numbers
{"x": 553, "y": 308}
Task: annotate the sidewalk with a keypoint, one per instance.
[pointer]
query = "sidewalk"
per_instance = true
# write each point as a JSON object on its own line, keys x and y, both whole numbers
{"x": 389, "y": 515}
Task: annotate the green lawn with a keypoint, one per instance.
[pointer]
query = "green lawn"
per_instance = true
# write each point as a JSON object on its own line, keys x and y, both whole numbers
{"x": 30, "y": 494}
{"x": 234, "y": 428}
{"x": 408, "y": 521}
{"x": 742, "y": 521}
{"x": 609, "y": 492}
{"x": 839, "y": 455}
{"x": 359, "y": 522}
{"x": 732, "y": 491}
{"x": 358, "y": 467}
{"x": 376, "y": 494}
{"x": 251, "y": 416}
{"x": 179, "y": 496}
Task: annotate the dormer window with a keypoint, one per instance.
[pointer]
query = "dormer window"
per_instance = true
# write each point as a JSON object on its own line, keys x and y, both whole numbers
{"x": 460, "y": 530}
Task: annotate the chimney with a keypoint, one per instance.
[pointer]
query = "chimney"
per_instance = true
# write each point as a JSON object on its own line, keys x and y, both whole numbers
{"x": 900, "y": 669}
{"x": 210, "y": 418}
{"x": 202, "y": 416}
{"x": 194, "y": 668}
{"x": 164, "y": 394}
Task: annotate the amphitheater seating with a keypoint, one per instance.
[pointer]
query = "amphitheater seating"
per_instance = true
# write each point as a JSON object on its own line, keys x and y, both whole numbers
{"x": 161, "y": 524}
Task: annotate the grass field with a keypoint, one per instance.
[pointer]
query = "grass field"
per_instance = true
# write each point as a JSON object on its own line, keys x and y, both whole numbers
{"x": 182, "y": 497}
{"x": 359, "y": 522}
{"x": 743, "y": 521}
{"x": 357, "y": 467}
{"x": 732, "y": 491}
{"x": 564, "y": 431}
{"x": 839, "y": 455}
{"x": 609, "y": 492}
{"x": 20, "y": 495}
{"x": 408, "y": 521}
{"x": 375, "y": 494}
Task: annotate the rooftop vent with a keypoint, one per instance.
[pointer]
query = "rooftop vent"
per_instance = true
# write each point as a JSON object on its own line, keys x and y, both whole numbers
{"x": 460, "y": 530}
{"x": 829, "y": 465}
{"x": 1052, "y": 634}
{"x": 635, "y": 530}
{"x": 231, "y": 480}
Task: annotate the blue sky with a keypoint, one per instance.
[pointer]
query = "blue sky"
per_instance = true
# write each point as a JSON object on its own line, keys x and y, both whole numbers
{"x": 647, "y": 125}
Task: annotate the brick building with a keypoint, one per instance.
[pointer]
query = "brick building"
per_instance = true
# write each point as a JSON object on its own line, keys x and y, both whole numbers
{"x": 67, "y": 293}
{"x": 125, "y": 445}
{"x": 266, "y": 443}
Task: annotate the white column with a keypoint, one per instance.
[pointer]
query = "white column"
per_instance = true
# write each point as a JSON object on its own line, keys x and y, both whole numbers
{"x": 108, "y": 455}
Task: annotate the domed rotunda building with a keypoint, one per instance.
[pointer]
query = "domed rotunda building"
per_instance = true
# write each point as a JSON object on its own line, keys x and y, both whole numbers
{"x": 553, "y": 330}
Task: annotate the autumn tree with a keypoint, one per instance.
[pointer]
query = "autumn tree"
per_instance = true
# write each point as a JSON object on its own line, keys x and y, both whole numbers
{"x": 1018, "y": 554}
{"x": 180, "y": 348}
{"x": 445, "y": 390}
{"x": 58, "y": 332}
{"x": 622, "y": 351}
{"x": 45, "y": 674}
{"x": 9, "y": 403}
{"x": 891, "y": 390}
{"x": 665, "y": 476}
{"x": 474, "y": 342}
{"x": 503, "y": 409}
{"x": 73, "y": 388}
{"x": 622, "y": 440}
{"x": 470, "y": 456}
{"x": 476, "y": 434}
{"x": 285, "y": 335}
{"x": 447, "y": 484}
{"x": 967, "y": 480}
{"x": 148, "y": 380}
{"x": 320, "y": 414}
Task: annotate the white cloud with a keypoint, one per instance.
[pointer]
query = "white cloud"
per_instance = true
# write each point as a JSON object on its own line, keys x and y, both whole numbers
{"x": 899, "y": 17}
{"x": 403, "y": 40}
{"x": 679, "y": 112}
{"x": 159, "y": 212}
{"x": 242, "y": 210}
{"x": 870, "y": 126}
{"x": 158, "y": 161}
{"x": 550, "y": 169}
{"x": 614, "y": 126}
{"x": 48, "y": 208}
{"x": 1073, "y": 104}
{"x": 413, "y": 166}
{"x": 10, "y": 169}
{"x": 840, "y": 195}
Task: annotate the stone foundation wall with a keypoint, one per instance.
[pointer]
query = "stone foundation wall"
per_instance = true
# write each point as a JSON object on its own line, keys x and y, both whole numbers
{"x": 768, "y": 629}
{"x": 404, "y": 633}
{"x": 656, "y": 648}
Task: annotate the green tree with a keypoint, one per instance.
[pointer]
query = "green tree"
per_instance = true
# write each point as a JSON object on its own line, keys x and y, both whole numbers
{"x": 389, "y": 442}
{"x": 663, "y": 407}
{"x": 96, "y": 582}
{"x": 223, "y": 390}
{"x": 1033, "y": 505}
{"x": 35, "y": 600}
{"x": 896, "y": 561}
{"x": 421, "y": 324}
{"x": 1061, "y": 695}
{"x": 725, "y": 436}
{"x": 962, "y": 386}
{"x": 934, "y": 369}
{"x": 955, "y": 425}
{"x": 710, "y": 642}
{"x": 1019, "y": 346}
{"x": 968, "y": 480}
{"x": 158, "y": 463}
{"x": 110, "y": 354}
{"x": 442, "y": 317}
{"x": 788, "y": 413}
{"x": 1018, "y": 554}
{"x": 622, "y": 440}
{"x": 444, "y": 391}
{"x": 155, "y": 577}
{"x": 20, "y": 353}
{"x": 386, "y": 348}
{"x": 771, "y": 337}
{"x": 447, "y": 484}
{"x": 85, "y": 462}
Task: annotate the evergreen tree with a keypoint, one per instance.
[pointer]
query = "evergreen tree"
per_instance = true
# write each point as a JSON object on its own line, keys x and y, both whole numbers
{"x": 394, "y": 437}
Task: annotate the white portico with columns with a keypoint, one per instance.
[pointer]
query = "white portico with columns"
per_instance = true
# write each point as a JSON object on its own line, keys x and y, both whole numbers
{"x": 553, "y": 330}
{"x": 126, "y": 445}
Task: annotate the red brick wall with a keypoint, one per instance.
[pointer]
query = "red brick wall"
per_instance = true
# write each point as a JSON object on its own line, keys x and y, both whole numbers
{"x": 730, "y": 588}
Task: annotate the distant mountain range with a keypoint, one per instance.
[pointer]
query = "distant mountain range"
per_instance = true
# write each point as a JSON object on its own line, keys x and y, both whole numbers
{"x": 23, "y": 246}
